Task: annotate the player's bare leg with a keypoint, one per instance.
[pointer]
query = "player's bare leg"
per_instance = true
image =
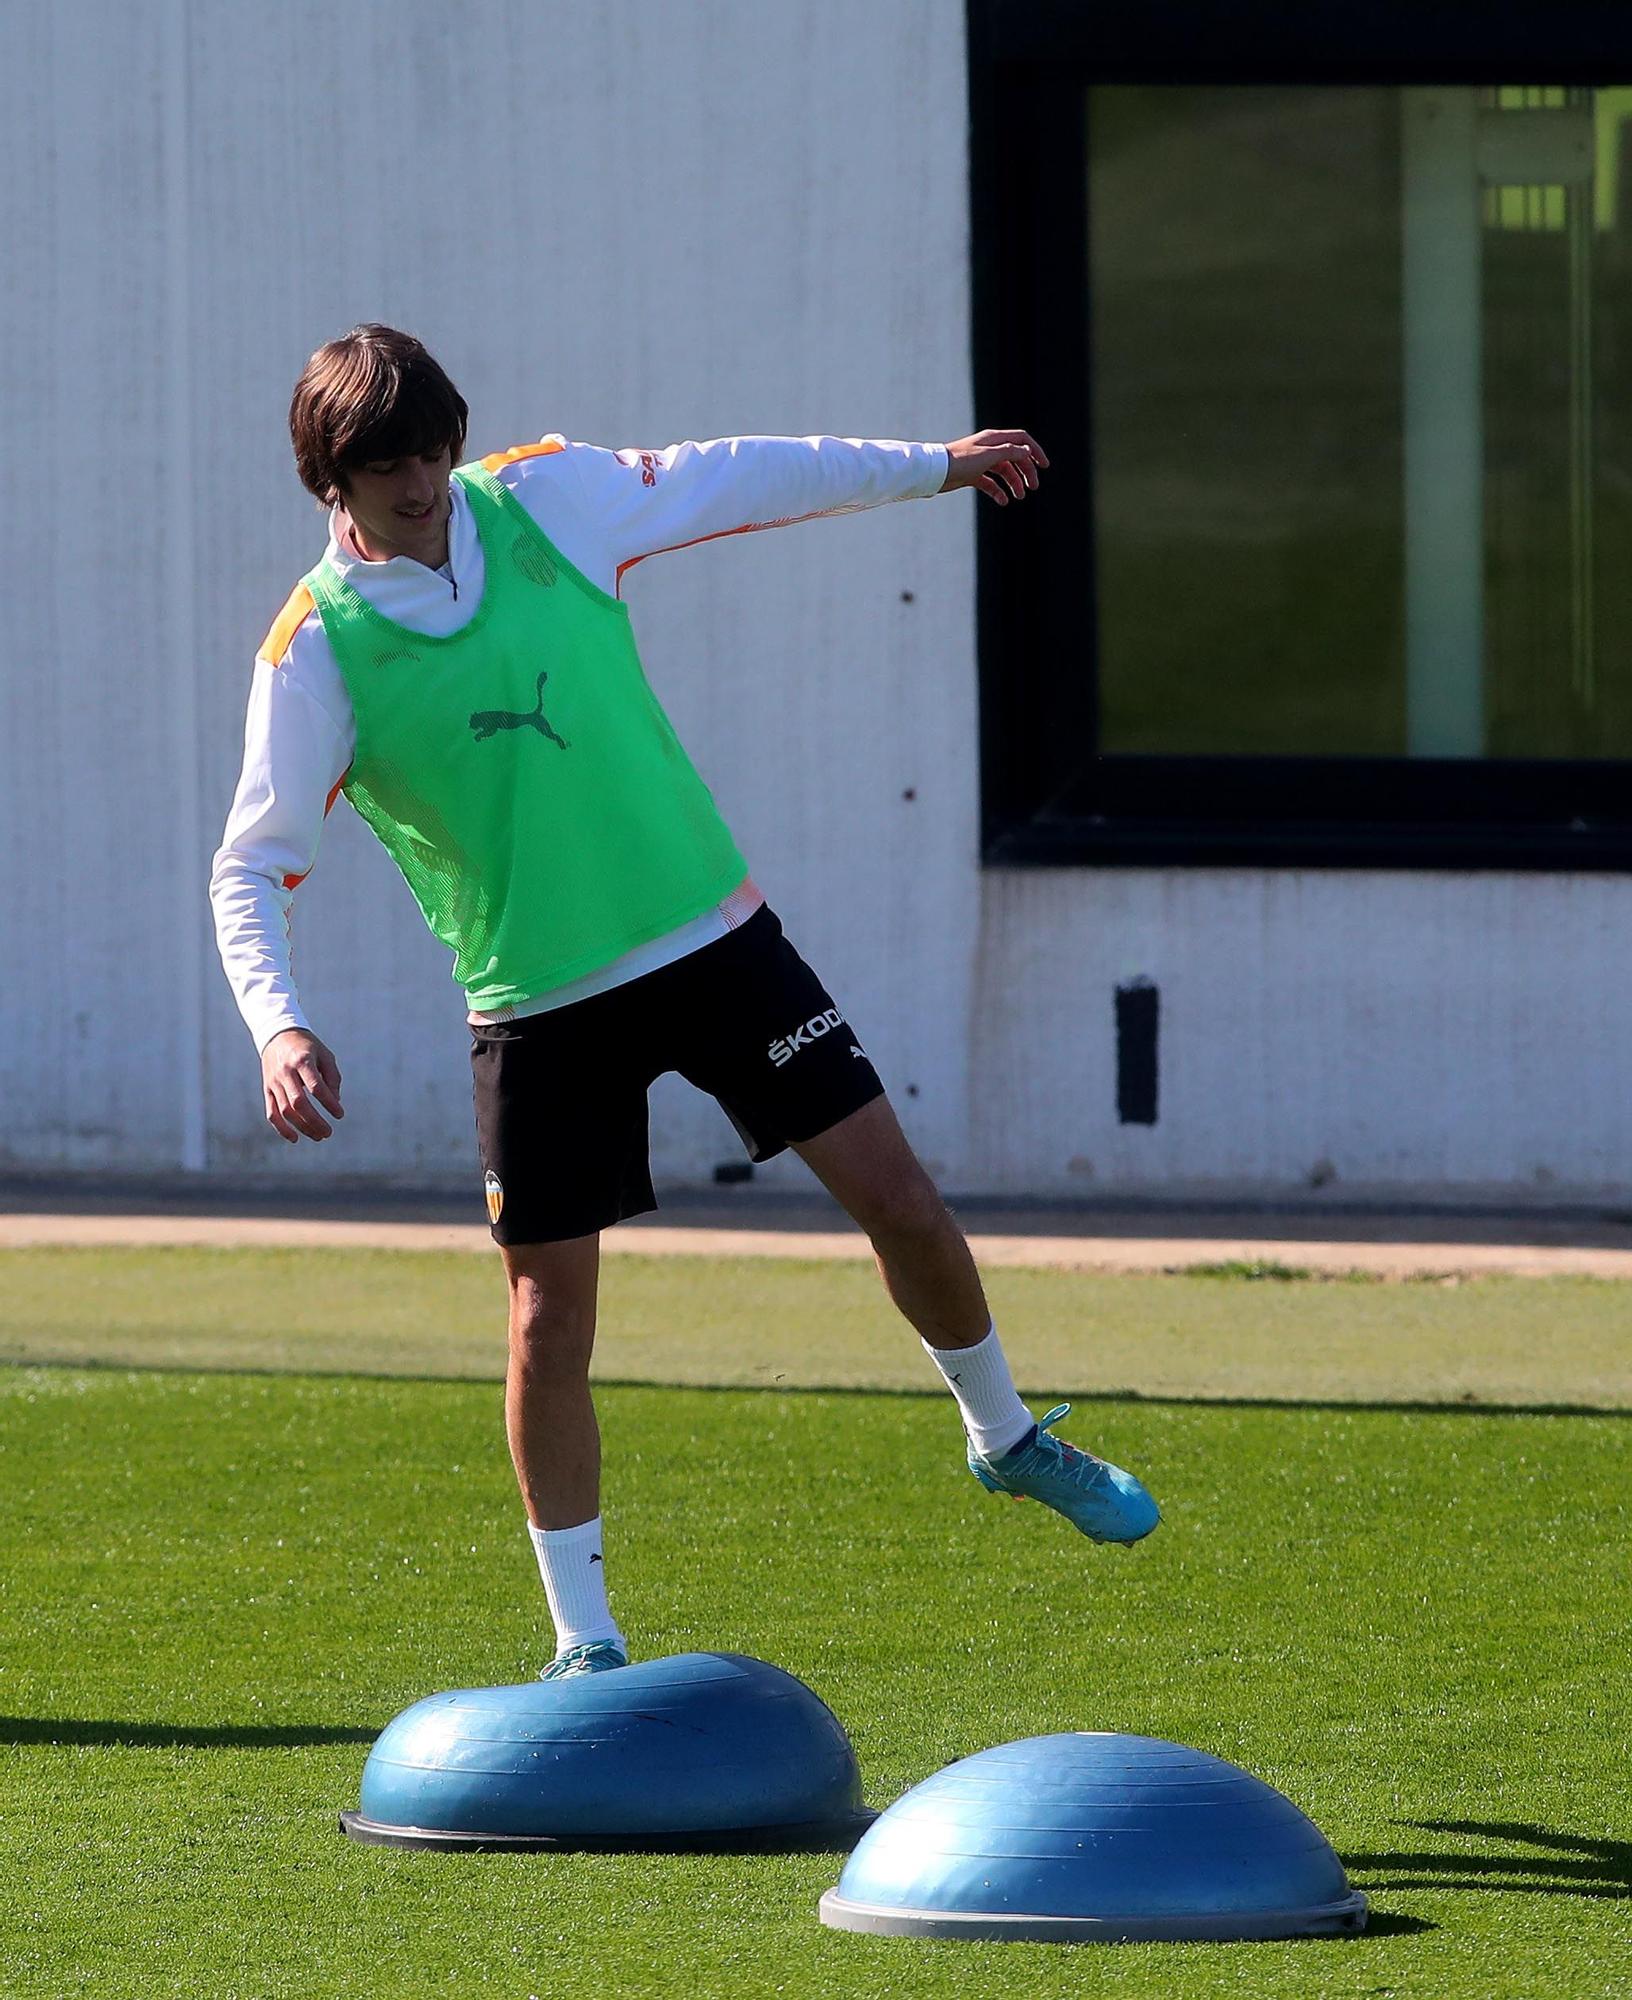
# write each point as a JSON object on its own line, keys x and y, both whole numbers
{"x": 868, "y": 1167}
{"x": 549, "y": 1417}
{"x": 865, "y": 1162}
{"x": 555, "y": 1442}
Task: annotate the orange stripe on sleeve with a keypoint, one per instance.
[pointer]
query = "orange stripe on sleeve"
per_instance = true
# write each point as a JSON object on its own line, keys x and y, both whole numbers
{"x": 294, "y": 881}
{"x": 284, "y": 627}
{"x": 542, "y": 449}
{"x": 720, "y": 535}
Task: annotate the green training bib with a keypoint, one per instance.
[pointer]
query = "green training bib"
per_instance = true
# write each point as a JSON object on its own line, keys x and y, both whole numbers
{"x": 521, "y": 772}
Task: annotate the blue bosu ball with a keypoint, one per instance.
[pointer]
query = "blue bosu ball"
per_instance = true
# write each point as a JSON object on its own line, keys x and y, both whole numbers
{"x": 1093, "y": 1836}
{"x": 696, "y": 1749}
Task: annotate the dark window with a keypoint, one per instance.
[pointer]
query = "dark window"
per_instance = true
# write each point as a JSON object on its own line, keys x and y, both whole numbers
{"x": 1327, "y": 328}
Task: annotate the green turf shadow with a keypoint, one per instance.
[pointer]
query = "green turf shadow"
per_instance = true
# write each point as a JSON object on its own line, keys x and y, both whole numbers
{"x": 1387, "y": 1923}
{"x": 1078, "y": 1398}
{"x": 1604, "y": 1871}
{"x": 1519, "y": 1343}
{"x": 64, "y": 1731}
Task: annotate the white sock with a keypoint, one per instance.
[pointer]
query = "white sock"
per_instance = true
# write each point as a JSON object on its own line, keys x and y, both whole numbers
{"x": 570, "y": 1562}
{"x": 988, "y": 1402}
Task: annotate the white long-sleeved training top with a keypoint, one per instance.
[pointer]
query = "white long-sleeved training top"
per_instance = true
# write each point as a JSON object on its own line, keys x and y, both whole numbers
{"x": 605, "y": 511}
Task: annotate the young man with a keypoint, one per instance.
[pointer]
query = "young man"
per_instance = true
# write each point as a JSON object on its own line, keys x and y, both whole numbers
{"x": 460, "y": 665}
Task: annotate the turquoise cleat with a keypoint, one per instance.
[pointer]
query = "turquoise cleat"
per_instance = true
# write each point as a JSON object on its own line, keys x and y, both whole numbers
{"x": 599, "y": 1658}
{"x": 1106, "y": 1503}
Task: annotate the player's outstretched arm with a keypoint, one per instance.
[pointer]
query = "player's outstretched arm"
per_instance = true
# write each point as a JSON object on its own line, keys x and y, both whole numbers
{"x": 298, "y": 1074}
{"x": 1003, "y": 464}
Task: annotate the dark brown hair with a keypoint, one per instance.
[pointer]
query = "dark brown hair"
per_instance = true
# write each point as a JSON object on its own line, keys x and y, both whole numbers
{"x": 374, "y": 393}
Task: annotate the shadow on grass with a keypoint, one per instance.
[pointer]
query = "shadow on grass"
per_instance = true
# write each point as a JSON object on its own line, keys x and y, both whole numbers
{"x": 1460, "y": 1406}
{"x": 1570, "y": 1865}
{"x": 70, "y": 1730}
{"x": 836, "y": 1837}
{"x": 1388, "y": 1923}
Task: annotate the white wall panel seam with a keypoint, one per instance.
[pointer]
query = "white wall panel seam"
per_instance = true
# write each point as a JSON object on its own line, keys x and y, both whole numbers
{"x": 181, "y": 581}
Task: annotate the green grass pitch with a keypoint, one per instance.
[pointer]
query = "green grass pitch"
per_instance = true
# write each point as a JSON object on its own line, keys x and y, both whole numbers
{"x": 219, "y": 1584}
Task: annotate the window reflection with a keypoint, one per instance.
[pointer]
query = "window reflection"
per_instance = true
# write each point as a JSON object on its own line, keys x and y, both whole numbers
{"x": 1359, "y": 487}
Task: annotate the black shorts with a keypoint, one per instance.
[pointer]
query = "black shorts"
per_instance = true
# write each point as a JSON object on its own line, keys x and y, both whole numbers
{"x": 561, "y": 1116}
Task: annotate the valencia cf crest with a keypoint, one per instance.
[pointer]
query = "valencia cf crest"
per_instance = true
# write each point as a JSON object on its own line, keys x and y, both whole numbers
{"x": 493, "y": 1188}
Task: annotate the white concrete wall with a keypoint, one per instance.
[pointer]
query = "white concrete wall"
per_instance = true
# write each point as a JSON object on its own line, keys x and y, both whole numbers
{"x": 633, "y": 223}
{"x": 1440, "y": 1032}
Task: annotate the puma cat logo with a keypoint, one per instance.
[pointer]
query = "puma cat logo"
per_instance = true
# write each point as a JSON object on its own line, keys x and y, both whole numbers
{"x": 488, "y": 722}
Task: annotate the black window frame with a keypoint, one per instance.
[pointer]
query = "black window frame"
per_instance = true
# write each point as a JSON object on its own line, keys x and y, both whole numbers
{"x": 1048, "y": 795}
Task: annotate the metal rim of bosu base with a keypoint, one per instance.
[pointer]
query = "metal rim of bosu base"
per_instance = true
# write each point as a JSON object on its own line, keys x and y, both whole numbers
{"x": 1218, "y": 1927}
{"x": 810, "y": 1836}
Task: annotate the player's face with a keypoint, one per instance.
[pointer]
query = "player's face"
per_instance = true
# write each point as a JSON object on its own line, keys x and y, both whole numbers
{"x": 399, "y": 506}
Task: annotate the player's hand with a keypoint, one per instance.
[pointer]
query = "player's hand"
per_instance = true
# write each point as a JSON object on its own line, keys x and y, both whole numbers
{"x": 1002, "y": 464}
{"x": 298, "y": 1074}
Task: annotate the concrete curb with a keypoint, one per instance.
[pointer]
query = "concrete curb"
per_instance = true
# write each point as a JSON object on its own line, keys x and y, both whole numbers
{"x": 1060, "y": 1253}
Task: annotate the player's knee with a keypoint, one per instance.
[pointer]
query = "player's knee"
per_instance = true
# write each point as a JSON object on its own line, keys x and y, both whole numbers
{"x": 548, "y": 1324}
{"x": 907, "y": 1213}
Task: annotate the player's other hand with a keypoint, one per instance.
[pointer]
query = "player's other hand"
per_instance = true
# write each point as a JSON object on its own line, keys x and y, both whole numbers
{"x": 298, "y": 1074}
{"x": 1002, "y": 464}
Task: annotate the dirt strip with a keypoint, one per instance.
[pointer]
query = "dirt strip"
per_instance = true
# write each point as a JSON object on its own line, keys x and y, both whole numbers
{"x": 1068, "y": 1253}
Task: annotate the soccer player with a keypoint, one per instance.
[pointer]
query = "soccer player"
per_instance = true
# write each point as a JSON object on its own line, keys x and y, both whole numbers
{"x": 460, "y": 664}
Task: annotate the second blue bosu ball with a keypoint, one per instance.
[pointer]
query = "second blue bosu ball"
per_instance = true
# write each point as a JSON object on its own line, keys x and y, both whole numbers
{"x": 1093, "y": 1835}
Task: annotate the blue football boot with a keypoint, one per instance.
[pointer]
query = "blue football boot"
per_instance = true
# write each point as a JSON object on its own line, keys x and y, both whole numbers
{"x": 600, "y": 1657}
{"x": 1106, "y": 1503}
